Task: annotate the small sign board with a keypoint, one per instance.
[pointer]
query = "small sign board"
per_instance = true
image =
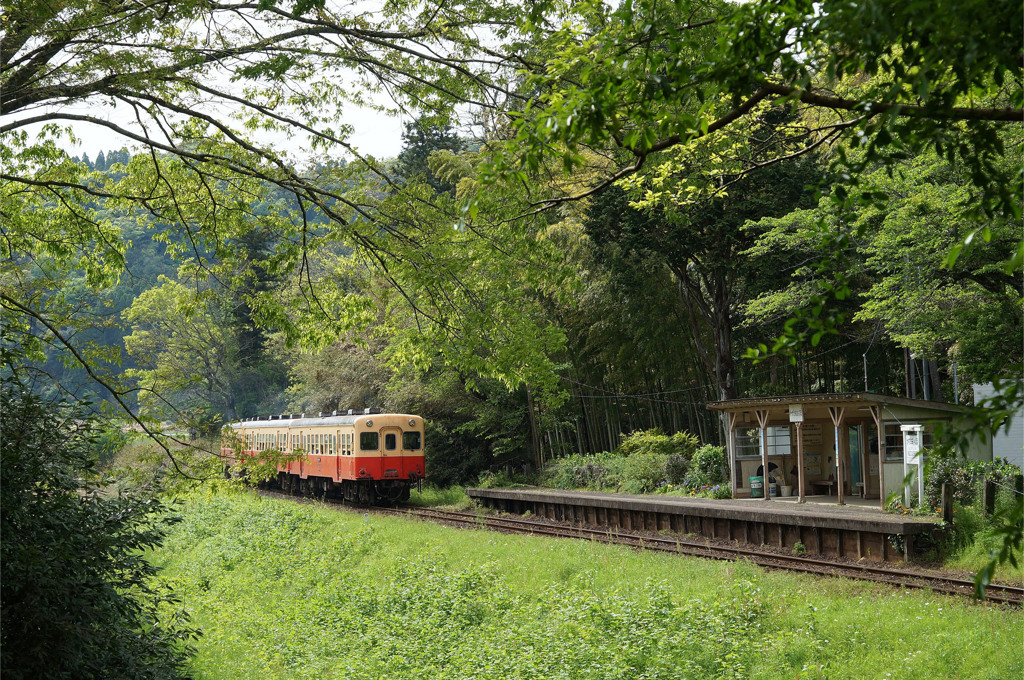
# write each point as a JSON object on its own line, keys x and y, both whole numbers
{"x": 911, "y": 444}
{"x": 796, "y": 413}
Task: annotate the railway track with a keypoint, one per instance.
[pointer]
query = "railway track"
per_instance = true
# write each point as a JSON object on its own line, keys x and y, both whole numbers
{"x": 940, "y": 583}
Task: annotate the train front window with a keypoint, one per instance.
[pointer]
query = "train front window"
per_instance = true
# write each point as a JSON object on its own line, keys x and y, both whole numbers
{"x": 369, "y": 441}
{"x": 411, "y": 441}
{"x": 390, "y": 442}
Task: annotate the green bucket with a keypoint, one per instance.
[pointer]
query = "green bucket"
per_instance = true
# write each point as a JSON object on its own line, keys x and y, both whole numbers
{"x": 757, "y": 487}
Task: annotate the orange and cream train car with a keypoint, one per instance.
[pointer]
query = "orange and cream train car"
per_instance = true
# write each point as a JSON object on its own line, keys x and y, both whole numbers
{"x": 362, "y": 457}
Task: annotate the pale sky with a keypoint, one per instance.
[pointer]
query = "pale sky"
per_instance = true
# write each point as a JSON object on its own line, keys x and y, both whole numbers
{"x": 374, "y": 133}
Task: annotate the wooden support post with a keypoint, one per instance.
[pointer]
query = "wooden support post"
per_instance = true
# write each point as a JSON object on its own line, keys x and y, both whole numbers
{"x": 838, "y": 413}
{"x": 947, "y": 502}
{"x": 988, "y": 496}
{"x": 876, "y": 415}
{"x": 762, "y": 420}
{"x": 730, "y": 445}
{"x": 800, "y": 462}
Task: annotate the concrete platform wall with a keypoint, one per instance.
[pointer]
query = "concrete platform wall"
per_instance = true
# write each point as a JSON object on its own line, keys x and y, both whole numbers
{"x": 845, "y": 535}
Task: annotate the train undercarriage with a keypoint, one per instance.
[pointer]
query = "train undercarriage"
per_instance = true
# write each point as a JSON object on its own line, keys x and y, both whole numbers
{"x": 358, "y": 492}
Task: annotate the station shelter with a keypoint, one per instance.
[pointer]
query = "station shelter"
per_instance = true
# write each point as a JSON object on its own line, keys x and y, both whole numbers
{"x": 829, "y": 444}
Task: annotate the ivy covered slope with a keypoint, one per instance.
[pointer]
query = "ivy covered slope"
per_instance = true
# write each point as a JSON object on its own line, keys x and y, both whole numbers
{"x": 293, "y": 591}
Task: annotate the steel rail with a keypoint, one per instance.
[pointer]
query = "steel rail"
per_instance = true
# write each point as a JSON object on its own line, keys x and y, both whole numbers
{"x": 996, "y": 592}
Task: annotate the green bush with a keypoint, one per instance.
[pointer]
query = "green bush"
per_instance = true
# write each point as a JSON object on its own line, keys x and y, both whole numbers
{"x": 655, "y": 442}
{"x": 599, "y": 471}
{"x": 708, "y": 468}
{"x": 77, "y": 597}
{"x": 676, "y": 468}
{"x": 502, "y": 479}
{"x": 643, "y": 472}
{"x": 645, "y": 462}
{"x": 945, "y": 466}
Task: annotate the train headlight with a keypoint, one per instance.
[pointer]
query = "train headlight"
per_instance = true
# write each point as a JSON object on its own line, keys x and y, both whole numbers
{"x": 369, "y": 423}
{"x": 412, "y": 423}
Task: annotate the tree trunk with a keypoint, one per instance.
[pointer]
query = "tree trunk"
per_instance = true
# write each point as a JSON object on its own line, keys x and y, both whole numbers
{"x": 533, "y": 429}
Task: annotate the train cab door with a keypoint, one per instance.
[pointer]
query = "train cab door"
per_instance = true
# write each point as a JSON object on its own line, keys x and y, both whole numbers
{"x": 390, "y": 452}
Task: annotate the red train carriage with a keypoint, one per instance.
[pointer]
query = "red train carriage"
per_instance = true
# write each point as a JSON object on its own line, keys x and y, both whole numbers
{"x": 365, "y": 457}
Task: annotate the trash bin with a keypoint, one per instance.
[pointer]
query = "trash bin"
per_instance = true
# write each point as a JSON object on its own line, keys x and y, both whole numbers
{"x": 757, "y": 487}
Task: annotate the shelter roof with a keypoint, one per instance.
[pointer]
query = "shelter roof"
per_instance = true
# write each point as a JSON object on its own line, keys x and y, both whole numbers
{"x": 815, "y": 405}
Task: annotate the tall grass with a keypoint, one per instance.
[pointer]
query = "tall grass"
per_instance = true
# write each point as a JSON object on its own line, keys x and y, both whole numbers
{"x": 297, "y": 591}
{"x": 452, "y": 497}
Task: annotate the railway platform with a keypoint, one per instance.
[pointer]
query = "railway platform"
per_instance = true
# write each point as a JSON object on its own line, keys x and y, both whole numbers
{"x": 857, "y": 532}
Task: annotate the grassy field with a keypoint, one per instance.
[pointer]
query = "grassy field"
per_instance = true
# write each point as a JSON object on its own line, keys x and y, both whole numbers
{"x": 284, "y": 590}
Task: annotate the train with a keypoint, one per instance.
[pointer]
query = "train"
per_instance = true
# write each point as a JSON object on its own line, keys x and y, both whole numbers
{"x": 362, "y": 457}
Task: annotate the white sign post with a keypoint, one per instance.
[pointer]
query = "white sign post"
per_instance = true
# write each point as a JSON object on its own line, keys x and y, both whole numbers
{"x": 912, "y": 436}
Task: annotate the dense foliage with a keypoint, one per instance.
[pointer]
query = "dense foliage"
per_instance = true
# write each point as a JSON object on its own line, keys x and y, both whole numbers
{"x": 646, "y": 462}
{"x": 78, "y": 598}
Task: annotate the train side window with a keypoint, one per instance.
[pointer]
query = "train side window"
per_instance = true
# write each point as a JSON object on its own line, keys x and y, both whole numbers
{"x": 369, "y": 441}
{"x": 411, "y": 441}
{"x": 390, "y": 442}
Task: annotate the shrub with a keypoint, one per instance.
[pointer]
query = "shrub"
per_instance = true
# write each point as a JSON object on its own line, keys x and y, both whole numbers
{"x": 643, "y": 472}
{"x": 653, "y": 441}
{"x": 79, "y": 600}
{"x": 643, "y": 463}
{"x": 708, "y": 467}
{"x": 599, "y": 471}
{"x": 501, "y": 479}
{"x": 676, "y": 468}
{"x": 945, "y": 466}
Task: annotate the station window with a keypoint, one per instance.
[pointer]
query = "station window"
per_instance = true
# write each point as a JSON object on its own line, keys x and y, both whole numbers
{"x": 748, "y": 441}
{"x": 390, "y": 441}
{"x": 894, "y": 440}
{"x": 411, "y": 441}
{"x": 369, "y": 441}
